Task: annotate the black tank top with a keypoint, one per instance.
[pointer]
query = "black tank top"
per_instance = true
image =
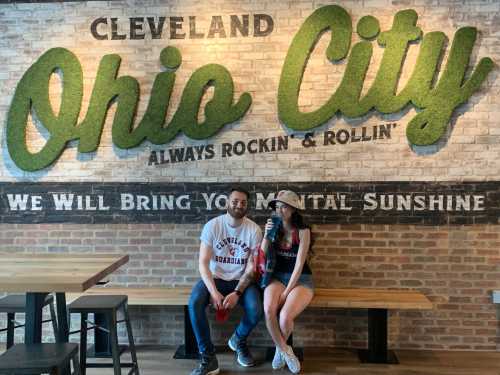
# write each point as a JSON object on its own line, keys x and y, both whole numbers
{"x": 286, "y": 257}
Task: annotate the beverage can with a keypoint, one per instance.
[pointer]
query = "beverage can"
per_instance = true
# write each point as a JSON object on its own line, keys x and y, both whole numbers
{"x": 221, "y": 315}
{"x": 276, "y": 219}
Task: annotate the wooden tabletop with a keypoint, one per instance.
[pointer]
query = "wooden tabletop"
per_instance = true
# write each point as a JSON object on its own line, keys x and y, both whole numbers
{"x": 61, "y": 272}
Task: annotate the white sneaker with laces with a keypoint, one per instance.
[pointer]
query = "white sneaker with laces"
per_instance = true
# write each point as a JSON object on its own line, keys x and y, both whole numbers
{"x": 291, "y": 360}
{"x": 278, "y": 360}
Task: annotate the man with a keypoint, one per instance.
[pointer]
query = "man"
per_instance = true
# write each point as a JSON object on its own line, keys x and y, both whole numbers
{"x": 226, "y": 266}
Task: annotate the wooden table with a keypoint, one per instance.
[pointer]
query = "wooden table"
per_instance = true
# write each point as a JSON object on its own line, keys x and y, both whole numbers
{"x": 41, "y": 273}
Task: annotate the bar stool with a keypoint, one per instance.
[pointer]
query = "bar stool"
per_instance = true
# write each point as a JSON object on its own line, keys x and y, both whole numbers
{"x": 39, "y": 358}
{"x": 107, "y": 306}
{"x": 16, "y": 304}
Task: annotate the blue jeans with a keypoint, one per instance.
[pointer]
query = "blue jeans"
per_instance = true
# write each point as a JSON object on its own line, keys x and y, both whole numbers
{"x": 251, "y": 301}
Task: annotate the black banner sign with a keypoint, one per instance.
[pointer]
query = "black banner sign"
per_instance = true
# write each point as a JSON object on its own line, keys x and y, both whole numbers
{"x": 425, "y": 203}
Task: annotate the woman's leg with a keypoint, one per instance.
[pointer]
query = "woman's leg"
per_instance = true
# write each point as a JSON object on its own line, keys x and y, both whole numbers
{"x": 271, "y": 298}
{"x": 296, "y": 301}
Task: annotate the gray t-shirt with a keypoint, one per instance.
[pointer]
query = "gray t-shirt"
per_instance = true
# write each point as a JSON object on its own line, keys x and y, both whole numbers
{"x": 231, "y": 246}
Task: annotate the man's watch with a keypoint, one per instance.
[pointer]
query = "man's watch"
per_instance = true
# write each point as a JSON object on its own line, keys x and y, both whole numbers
{"x": 238, "y": 293}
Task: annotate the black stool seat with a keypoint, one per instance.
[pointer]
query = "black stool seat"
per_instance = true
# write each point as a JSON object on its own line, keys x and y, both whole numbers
{"x": 38, "y": 358}
{"x": 92, "y": 304}
{"x": 16, "y": 303}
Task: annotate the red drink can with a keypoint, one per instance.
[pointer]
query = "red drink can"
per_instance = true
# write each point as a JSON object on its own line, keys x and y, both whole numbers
{"x": 221, "y": 315}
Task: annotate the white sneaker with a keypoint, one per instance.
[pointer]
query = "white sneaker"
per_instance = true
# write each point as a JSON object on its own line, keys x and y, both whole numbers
{"x": 291, "y": 360}
{"x": 278, "y": 360}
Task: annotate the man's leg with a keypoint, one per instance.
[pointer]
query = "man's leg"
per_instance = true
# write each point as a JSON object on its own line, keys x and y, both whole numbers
{"x": 198, "y": 302}
{"x": 251, "y": 301}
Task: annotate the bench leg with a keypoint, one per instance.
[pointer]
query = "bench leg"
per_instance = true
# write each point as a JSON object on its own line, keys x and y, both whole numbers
{"x": 189, "y": 350}
{"x": 377, "y": 339}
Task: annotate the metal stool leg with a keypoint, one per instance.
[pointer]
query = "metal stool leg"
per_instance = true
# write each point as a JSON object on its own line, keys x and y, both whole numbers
{"x": 83, "y": 343}
{"x": 115, "y": 350}
{"x": 63, "y": 317}
{"x": 53, "y": 318}
{"x": 33, "y": 317}
{"x": 102, "y": 343}
{"x": 130, "y": 339}
{"x": 11, "y": 317}
{"x": 76, "y": 363}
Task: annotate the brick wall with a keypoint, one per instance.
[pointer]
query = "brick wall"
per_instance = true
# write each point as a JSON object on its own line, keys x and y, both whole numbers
{"x": 468, "y": 151}
{"x": 456, "y": 266}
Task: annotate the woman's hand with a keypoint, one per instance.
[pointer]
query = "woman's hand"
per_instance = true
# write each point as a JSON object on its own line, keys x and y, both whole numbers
{"x": 268, "y": 227}
{"x": 282, "y": 298}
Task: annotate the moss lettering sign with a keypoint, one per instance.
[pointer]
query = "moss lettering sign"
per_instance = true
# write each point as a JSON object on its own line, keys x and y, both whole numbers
{"x": 437, "y": 100}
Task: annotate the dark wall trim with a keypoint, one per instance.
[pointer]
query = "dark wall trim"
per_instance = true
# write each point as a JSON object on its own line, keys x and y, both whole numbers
{"x": 422, "y": 203}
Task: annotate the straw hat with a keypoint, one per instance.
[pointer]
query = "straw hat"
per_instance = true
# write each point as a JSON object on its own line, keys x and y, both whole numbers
{"x": 288, "y": 197}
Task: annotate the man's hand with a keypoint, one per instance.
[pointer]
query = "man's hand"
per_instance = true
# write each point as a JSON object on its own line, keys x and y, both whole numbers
{"x": 230, "y": 301}
{"x": 217, "y": 300}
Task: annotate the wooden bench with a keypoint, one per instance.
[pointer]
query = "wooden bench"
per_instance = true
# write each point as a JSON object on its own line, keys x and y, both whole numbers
{"x": 376, "y": 301}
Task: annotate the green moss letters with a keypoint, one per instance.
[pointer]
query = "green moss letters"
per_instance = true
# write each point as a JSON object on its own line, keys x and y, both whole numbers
{"x": 32, "y": 95}
{"x": 436, "y": 101}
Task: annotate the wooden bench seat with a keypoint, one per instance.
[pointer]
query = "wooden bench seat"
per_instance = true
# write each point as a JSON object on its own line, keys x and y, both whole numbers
{"x": 177, "y": 296}
{"x": 326, "y": 298}
{"x": 370, "y": 299}
{"x": 377, "y": 301}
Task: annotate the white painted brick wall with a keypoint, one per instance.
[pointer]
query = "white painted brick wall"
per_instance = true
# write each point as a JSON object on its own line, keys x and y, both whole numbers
{"x": 255, "y": 64}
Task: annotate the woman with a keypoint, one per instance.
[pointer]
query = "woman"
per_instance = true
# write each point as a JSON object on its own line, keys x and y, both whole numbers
{"x": 291, "y": 287}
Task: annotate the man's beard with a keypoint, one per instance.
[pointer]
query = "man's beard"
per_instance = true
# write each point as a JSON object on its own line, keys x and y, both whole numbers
{"x": 236, "y": 213}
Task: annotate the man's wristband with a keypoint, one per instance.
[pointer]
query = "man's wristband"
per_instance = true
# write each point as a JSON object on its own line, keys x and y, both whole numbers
{"x": 238, "y": 293}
